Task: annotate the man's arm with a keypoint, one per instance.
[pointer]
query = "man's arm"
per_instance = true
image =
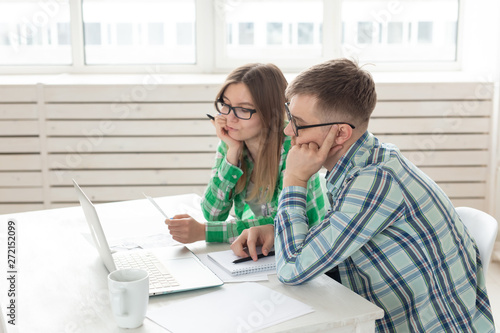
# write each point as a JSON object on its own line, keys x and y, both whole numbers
{"x": 364, "y": 208}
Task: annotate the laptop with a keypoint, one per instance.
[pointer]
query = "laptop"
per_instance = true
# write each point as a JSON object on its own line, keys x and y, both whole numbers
{"x": 171, "y": 269}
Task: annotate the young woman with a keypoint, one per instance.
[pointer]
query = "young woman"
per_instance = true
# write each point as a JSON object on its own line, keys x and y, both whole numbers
{"x": 250, "y": 159}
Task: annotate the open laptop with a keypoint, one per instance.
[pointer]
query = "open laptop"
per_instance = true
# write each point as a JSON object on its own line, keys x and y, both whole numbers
{"x": 171, "y": 269}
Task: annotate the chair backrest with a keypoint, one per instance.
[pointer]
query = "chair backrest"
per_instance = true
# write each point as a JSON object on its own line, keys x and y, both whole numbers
{"x": 483, "y": 228}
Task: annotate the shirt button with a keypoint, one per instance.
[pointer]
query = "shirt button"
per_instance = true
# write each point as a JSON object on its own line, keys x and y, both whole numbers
{"x": 234, "y": 176}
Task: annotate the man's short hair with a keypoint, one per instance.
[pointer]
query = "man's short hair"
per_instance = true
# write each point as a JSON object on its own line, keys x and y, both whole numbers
{"x": 341, "y": 87}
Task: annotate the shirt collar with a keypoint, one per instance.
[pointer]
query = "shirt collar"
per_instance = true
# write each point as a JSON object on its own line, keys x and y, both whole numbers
{"x": 355, "y": 156}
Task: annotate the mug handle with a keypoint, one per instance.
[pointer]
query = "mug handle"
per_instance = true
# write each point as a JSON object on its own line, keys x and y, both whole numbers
{"x": 119, "y": 297}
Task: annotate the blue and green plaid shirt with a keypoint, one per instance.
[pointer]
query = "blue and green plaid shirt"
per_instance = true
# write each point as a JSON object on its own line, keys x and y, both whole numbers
{"x": 220, "y": 198}
{"x": 396, "y": 238}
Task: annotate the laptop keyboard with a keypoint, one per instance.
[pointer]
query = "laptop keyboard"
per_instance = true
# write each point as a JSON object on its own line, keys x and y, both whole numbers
{"x": 159, "y": 277}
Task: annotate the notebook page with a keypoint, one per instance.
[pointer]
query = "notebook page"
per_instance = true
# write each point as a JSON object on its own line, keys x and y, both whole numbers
{"x": 225, "y": 260}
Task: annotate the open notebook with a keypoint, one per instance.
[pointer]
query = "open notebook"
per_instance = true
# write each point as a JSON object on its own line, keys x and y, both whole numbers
{"x": 225, "y": 260}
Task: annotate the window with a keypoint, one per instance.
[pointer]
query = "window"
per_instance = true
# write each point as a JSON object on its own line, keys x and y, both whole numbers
{"x": 218, "y": 35}
{"x": 272, "y": 30}
{"x": 397, "y": 31}
{"x": 274, "y": 33}
{"x": 140, "y": 32}
{"x": 37, "y": 34}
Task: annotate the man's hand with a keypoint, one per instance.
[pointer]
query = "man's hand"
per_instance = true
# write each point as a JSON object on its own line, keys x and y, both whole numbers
{"x": 304, "y": 160}
{"x": 185, "y": 229}
{"x": 262, "y": 235}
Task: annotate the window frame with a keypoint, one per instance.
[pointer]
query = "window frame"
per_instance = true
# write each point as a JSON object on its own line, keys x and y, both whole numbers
{"x": 210, "y": 40}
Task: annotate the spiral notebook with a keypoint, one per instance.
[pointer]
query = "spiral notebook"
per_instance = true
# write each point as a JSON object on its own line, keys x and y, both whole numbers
{"x": 225, "y": 260}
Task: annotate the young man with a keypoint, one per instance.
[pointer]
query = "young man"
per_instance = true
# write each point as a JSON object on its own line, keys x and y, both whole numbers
{"x": 392, "y": 232}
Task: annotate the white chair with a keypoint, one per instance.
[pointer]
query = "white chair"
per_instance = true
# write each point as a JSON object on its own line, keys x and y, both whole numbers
{"x": 483, "y": 228}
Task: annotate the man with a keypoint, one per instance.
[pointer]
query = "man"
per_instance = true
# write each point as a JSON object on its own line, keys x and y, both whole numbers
{"x": 392, "y": 232}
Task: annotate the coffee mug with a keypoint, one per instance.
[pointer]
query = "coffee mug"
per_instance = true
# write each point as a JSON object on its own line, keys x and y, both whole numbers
{"x": 129, "y": 296}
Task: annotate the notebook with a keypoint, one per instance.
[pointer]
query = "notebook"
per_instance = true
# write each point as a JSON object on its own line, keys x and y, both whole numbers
{"x": 171, "y": 269}
{"x": 225, "y": 260}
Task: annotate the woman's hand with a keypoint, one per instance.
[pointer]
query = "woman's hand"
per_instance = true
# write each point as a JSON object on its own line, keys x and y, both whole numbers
{"x": 185, "y": 229}
{"x": 234, "y": 147}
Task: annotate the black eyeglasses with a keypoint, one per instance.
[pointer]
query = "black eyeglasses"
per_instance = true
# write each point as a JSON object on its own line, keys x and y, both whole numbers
{"x": 239, "y": 112}
{"x": 296, "y": 128}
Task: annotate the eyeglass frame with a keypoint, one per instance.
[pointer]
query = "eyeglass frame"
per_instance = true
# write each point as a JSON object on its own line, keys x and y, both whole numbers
{"x": 296, "y": 128}
{"x": 232, "y": 108}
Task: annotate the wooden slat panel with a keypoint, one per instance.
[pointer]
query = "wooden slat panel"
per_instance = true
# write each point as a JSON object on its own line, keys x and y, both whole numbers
{"x": 464, "y": 190}
{"x": 21, "y": 194}
{"x": 19, "y": 208}
{"x": 429, "y": 125}
{"x": 480, "y": 204}
{"x": 130, "y": 127}
{"x": 132, "y": 177}
{"x": 450, "y": 174}
{"x": 438, "y": 141}
{"x": 19, "y": 145}
{"x": 18, "y": 127}
{"x": 20, "y": 162}
{"x": 64, "y": 204}
{"x": 131, "y": 93}
{"x": 18, "y": 93}
{"x": 119, "y": 193}
{"x": 21, "y": 179}
{"x": 131, "y": 161}
{"x": 18, "y": 111}
{"x": 138, "y": 144}
{"x": 435, "y": 109}
{"x": 434, "y": 91}
{"x": 448, "y": 158}
{"x": 129, "y": 111}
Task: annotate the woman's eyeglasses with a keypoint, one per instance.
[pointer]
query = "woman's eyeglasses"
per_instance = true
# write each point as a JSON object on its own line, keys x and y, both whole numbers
{"x": 239, "y": 112}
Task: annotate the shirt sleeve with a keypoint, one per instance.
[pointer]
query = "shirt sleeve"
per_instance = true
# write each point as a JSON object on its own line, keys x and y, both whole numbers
{"x": 316, "y": 203}
{"x": 366, "y": 205}
{"x": 219, "y": 194}
{"x": 228, "y": 231}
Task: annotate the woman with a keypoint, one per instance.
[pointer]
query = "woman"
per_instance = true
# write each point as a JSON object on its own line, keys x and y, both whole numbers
{"x": 250, "y": 159}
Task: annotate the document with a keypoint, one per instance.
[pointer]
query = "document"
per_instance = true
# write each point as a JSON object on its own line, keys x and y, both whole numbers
{"x": 242, "y": 307}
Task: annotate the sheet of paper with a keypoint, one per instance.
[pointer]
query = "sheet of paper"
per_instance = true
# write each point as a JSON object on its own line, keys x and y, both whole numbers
{"x": 226, "y": 277}
{"x": 242, "y": 307}
{"x": 226, "y": 258}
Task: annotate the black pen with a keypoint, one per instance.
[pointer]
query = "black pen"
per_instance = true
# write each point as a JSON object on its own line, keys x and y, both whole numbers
{"x": 210, "y": 116}
{"x": 237, "y": 261}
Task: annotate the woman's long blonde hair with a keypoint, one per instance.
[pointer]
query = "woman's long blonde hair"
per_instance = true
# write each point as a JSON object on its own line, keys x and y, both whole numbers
{"x": 267, "y": 86}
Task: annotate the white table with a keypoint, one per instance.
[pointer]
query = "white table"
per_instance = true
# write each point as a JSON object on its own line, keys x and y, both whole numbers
{"x": 62, "y": 286}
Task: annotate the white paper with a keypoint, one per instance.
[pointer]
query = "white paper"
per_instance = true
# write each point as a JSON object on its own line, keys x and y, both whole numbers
{"x": 227, "y": 277}
{"x": 225, "y": 260}
{"x": 243, "y": 307}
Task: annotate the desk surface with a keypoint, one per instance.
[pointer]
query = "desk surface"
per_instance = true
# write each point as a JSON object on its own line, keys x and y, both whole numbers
{"x": 62, "y": 286}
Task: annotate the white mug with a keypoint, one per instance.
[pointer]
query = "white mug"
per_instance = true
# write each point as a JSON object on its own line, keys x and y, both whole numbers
{"x": 129, "y": 296}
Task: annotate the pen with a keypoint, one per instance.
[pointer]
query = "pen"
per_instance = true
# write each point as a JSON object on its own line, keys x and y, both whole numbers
{"x": 210, "y": 116}
{"x": 237, "y": 261}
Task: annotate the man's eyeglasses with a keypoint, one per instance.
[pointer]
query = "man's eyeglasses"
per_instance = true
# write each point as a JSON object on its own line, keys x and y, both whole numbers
{"x": 239, "y": 112}
{"x": 297, "y": 128}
